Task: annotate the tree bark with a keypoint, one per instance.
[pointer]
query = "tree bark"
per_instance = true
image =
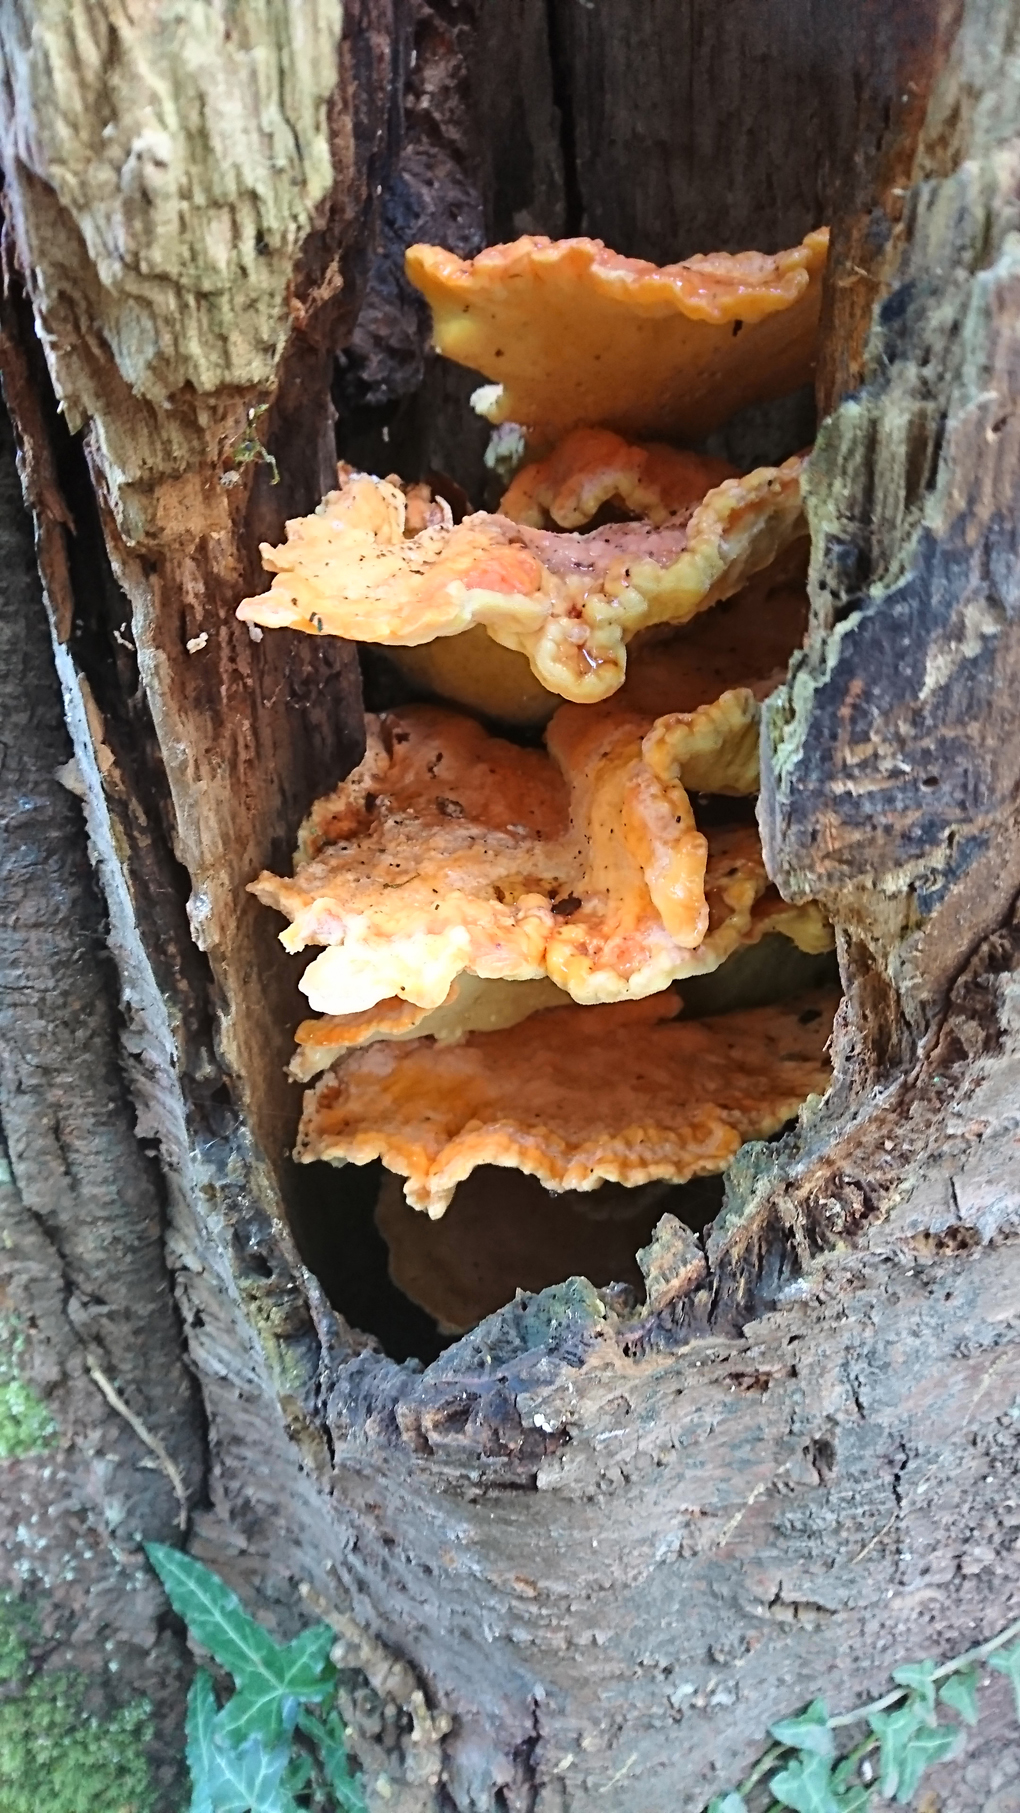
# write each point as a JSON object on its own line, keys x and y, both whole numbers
{"x": 611, "y": 1540}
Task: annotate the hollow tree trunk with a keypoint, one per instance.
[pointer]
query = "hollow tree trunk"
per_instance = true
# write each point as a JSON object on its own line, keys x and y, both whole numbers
{"x": 610, "y": 1543}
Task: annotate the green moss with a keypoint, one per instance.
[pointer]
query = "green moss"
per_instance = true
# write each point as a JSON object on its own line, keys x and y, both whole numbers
{"x": 55, "y": 1757}
{"x": 26, "y": 1426}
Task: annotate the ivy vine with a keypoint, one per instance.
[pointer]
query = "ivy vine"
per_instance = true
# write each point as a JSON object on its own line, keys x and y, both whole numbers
{"x": 803, "y": 1768}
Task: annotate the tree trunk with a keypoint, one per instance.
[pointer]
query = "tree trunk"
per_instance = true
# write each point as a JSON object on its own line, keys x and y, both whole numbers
{"x": 611, "y": 1539}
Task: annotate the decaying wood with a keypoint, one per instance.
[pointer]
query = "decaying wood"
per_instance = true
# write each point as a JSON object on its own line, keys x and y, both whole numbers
{"x": 84, "y": 1284}
{"x": 602, "y": 1543}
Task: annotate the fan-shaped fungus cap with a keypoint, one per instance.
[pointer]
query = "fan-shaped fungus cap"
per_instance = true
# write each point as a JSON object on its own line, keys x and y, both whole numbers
{"x": 745, "y": 639}
{"x": 569, "y": 602}
{"x": 573, "y": 334}
{"x": 574, "y": 1096}
{"x": 449, "y": 850}
{"x": 593, "y": 468}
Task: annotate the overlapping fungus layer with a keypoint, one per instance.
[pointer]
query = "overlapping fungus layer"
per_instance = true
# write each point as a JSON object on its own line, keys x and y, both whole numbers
{"x": 505, "y": 932}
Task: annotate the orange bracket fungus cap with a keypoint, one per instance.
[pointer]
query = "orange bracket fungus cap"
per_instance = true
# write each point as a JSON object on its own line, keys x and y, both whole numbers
{"x": 569, "y": 602}
{"x": 575, "y": 1097}
{"x": 592, "y": 468}
{"x": 450, "y": 850}
{"x": 572, "y": 334}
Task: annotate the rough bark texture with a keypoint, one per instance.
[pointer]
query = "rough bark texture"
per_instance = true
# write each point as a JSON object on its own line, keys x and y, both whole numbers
{"x": 82, "y": 1264}
{"x": 612, "y": 1540}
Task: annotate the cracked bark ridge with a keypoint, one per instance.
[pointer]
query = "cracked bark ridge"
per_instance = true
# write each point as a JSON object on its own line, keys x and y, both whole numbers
{"x": 83, "y": 1274}
{"x": 901, "y": 813}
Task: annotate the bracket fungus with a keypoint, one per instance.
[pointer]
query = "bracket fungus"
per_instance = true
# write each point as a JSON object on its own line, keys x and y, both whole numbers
{"x": 450, "y": 850}
{"x": 501, "y": 926}
{"x": 473, "y": 1004}
{"x": 654, "y": 1097}
{"x": 569, "y": 602}
{"x": 574, "y": 334}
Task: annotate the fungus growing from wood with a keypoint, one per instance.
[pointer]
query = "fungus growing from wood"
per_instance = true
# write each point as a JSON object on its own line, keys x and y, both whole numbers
{"x": 501, "y": 925}
{"x": 574, "y": 1096}
{"x": 594, "y": 470}
{"x": 573, "y": 334}
{"x": 450, "y": 850}
{"x": 474, "y": 1004}
{"x": 569, "y": 602}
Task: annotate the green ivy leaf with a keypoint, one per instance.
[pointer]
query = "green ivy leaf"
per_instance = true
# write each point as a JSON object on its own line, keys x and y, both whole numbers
{"x": 267, "y": 1702}
{"x": 213, "y": 1614}
{"x": 198, "y": 1739}
{"x": 1007, "y": 1662}
{"x": 960, "y": 1694}
{"x": 330, "y": 1737}
{"x": 919, "y": 1677}
{"x": 809, "y": 1731}
{"x": 250, "y": 1778}
{"x": 269, "y": 1675}
{"x": 807, "y": 1785}
{"x": 894, "y": 1731}
{"x": 929, "y": 1744}
{"x": 298, "y": 1772}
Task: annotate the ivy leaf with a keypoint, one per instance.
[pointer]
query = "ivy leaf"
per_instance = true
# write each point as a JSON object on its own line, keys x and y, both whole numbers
{"x": 1007, "y": 1662}
{"x": 198, "y": 1729}
{"x": 856, "y": 1799}
{"x": 894, "y": 1731}
{"x": 960, "y": 1694}
{"x": 727, "y": 1803}
{"x": 807, "y": 1785}
{"x": 330, "y": 1736}
{"x": 295, "y": 1672}
{"x": 809, "y": 1731}
{"x": 249, "y": 1779}
{"x": 268, "y": 1674}
{"x": 919, "y": 1677}
{"x": 929, "y": 1744}
{"x": 213, "y": 1614}
{"x": 298, "y": 1772}
{"x": 847, "y": 1781}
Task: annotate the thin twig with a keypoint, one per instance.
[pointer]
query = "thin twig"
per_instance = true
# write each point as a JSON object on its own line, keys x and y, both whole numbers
{"x": 620, "y": 1773}
{"x": 761, "y": 1767}
{"x": 152, "y": 1442}
{"x": 842, "y": 1719}
{"x": 948, "y": 1668}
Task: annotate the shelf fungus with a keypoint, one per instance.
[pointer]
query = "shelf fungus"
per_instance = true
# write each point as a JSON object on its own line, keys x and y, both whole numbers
{"x": 500, "y": 929}
{"x": 472, "y": 1005}
{"x": 451, "y": 851}
{"x": 575, "y": 1096}
{"x": 380, "y": 564}
{"x": 573, "y": 334}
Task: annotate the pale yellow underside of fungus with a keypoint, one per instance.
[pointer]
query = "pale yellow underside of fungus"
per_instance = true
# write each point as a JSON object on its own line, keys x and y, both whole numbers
{"x": 568, "y": 602}
{"x": 575, "y": 1096}
{"x": 449, "y": 850}
{"x": 574, "y": 334}
{"x": 472, "y": 1005}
